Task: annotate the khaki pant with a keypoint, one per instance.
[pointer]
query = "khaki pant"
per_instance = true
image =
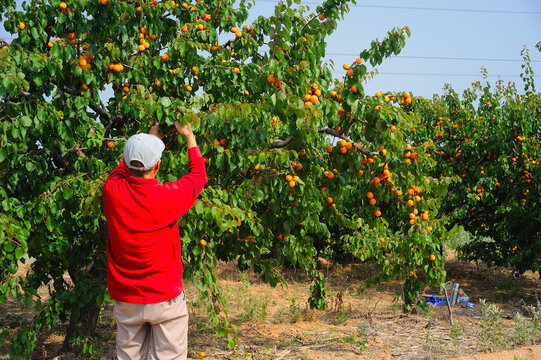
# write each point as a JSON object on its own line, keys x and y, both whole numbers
{"x": 162, "y": 326}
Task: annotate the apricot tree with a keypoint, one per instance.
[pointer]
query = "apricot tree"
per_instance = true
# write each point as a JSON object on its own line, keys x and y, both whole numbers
{"x": 490, "y": 139}
{"x": 299, "y": 164}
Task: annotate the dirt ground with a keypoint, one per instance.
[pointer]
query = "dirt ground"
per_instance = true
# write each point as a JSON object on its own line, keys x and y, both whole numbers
{"x": 276, "y": 323}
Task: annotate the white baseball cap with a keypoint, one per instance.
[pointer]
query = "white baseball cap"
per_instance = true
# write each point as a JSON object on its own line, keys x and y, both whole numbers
{"x": 145, "y": 148}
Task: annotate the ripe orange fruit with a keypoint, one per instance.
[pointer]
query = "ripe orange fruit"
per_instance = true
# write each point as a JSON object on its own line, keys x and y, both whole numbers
{"x": 354, "y": 89}
{"x": 377, "y": 108}
{"x": 321, "y": 17}
{"x": 110, "y": 144}
{"x": 410, "y": 202}
{"x": 341, "y": 112}
{"x": 126, "y": 89}
{"x": 223, "y": 142}
{"x": 234, "y": 29}
{"x": 63, "y": 5}
{"x": 118, "y": 67}
{"x": 104, "y": 2}
{"x": 346, "y": 66}
{"x": 202, "y": 354}
{"x": 141, "y": 47}
{"x": 50, "y": 44}
{"x": 410, "y": 192}
{"x": 203, "y": 242}
{"x": 84, "y": 87}
{"x": 216, "y": 143}
{"x": 292, "y": 184}
{"x": 398, "y": 193}
{"x": 165, "y": 57}
{"x": 289, "y": 178}
{"x": 21, "y": 25}
{"x": 377, "y": 213}
{"x": 372, "y": 201}
{"x": 313, "y": 99}
{"x": 236, "y": 70}
{"x": 343, "y": 149}
{"x": 184, "y": 28}
{"x": 432, "y": 257}
{"x": 358, "y": 61}
{"x": 329, "y": 149}
{"x": 369, "y": 195}
{"x": 378, "y": 94}
{"x": 238, "y": 34}
{"x": 329, "y": 200}
{"x": 406, "y": 95}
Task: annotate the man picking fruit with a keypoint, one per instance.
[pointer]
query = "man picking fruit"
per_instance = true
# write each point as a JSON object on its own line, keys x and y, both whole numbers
{"x": 144, "y": 269}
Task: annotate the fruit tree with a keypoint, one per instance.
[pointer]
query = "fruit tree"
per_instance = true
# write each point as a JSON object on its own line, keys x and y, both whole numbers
{"x": 299, "y": 164}
{"x": 490, "y": 138}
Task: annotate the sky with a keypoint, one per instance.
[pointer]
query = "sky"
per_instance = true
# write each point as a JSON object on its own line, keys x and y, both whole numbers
{"x": 449, "y": 43}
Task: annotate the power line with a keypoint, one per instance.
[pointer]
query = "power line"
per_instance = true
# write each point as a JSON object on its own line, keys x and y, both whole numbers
{"x": 440, "y": 74}
{"x": 485, "y": 11}
{"x": 443, "y": 58}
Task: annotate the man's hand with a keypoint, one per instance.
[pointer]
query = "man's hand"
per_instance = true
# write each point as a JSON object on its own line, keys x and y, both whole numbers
{"x": 154, "y": 131}
{"x": 186, "y": 131}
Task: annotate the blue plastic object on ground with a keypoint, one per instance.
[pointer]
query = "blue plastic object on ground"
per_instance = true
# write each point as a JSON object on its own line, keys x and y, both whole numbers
{"x": 435, "y": 300}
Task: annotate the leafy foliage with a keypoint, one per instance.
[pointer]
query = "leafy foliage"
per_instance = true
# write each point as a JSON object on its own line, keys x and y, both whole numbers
{"x": 299, "y": 164}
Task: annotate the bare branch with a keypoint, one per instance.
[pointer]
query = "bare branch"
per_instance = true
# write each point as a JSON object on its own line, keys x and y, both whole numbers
{"x": 281, "y": 143}
{"x": 448, "y": 139}
{"x": 334, "y": 133}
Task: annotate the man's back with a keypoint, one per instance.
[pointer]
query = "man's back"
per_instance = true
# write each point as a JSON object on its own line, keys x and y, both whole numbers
{"x": 143, "y": 250}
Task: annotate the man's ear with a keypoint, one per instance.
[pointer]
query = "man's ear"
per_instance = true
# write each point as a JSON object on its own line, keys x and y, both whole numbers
{"x": 157, "y": 166}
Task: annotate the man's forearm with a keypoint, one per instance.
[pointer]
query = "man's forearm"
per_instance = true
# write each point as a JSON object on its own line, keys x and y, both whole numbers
{"x": 190, "y": 140}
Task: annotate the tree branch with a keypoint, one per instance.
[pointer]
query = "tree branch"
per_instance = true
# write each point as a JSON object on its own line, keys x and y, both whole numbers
{"x": 463, "y": 218}
{"x": 334, "y": 133}
{"x": 281, "y": 143}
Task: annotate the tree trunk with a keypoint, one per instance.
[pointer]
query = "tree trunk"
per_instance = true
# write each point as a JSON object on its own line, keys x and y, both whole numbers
{"x": 82, "y": 324}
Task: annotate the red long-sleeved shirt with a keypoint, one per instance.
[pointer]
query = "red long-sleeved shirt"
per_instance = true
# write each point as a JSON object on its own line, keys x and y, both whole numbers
{"x": 143, "y": 248}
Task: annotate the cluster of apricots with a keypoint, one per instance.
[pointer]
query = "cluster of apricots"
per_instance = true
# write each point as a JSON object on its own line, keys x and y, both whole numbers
{"x": 222, "y": 142}
{"x": 292, "y": 180}
{"x": 312, "y": 95}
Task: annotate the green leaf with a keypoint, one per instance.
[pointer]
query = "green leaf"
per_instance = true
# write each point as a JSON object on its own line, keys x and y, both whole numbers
{"x": 165, "y": 101}
{"x": 19, "y": 252}
{"x": 30, "y": 166}
{"x": 67, "y": 193}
